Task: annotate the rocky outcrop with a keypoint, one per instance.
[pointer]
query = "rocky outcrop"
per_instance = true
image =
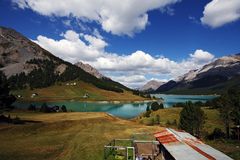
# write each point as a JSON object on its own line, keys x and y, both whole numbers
{"x": 88, "y": 68}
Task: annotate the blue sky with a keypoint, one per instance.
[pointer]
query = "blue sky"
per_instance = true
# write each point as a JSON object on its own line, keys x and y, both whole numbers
{"x": 129, "y": 41}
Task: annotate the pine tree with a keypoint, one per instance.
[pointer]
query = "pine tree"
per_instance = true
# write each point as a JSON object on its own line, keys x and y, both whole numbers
{"x": 5, "y": 98}
{"x": 191, "y": 119}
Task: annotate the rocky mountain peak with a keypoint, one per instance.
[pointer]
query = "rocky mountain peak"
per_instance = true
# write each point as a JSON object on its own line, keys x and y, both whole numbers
{"x": 151, "y": 85}
{"x": 226, "y": 62}
{"x": 88, "y": 68}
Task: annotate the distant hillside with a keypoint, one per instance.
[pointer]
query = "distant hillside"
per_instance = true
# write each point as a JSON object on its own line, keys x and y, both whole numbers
{"x": 26, "y": 64}
{"x": 151, "y": 86}
{"x": 74, "y": 90}
{"x": 213, "y": 78}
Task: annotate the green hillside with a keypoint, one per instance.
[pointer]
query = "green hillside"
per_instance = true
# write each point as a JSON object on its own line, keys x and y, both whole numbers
{"x": 68, "y": 91}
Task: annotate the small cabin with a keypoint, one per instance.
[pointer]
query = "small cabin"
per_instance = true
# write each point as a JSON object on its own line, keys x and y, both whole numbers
{"x": 34, "y": 95}
{"x": 86, "y": 95}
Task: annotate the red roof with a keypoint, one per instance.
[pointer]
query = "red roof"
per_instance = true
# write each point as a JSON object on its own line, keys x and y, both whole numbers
{"x": 165, "y": 137}
{"x": 180, "y": 143}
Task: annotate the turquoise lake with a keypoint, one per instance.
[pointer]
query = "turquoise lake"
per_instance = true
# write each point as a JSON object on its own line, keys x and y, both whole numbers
{"x": 122, "y": 110}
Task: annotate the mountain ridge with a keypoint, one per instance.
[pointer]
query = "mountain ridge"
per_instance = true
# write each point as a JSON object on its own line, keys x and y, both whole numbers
{"x": 90, "y": 69}
{"x": 220, "y": 72}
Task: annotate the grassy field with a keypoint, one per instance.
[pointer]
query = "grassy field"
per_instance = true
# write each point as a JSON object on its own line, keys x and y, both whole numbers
{"x": 78, "y": 135}
{"x": 170, "y": 114}
{"x": 61, "y": 92}
{"x": 64, "y": 136}
{"x": 167, "y": 117}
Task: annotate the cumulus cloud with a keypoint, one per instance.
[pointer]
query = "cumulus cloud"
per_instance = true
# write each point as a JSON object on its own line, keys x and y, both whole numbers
{"x": 133, "y": 81}
{"x": 131, "y": 70}
{"x": 73, "y": 46}
{"x": 219, "y": 12}
{"x": 200, "y": 56}
{"x": 124, "y": 17}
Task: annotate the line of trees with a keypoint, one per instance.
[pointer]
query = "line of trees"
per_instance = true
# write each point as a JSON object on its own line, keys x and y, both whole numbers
{"x": 197, "y": 103}
{"x": 47, "y": 109}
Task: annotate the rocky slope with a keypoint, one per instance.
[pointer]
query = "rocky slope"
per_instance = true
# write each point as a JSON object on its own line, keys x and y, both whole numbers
{"x": 16, "y": 50}
{"x": 214, "y": 77}
{"x": 88, "y": 68}
{"x": 151, "y": 86}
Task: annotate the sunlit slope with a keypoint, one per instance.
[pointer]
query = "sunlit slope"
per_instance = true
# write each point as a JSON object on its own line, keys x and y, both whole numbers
{"x": 60, "y": 92}
{"x": 64, "y": 136}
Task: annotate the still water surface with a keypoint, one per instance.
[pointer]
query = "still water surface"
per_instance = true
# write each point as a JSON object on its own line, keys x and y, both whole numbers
{"x": 123, "y": 110}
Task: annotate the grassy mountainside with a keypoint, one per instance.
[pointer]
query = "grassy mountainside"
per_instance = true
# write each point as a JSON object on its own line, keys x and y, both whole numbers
{"x": 61, "y": 92}
{"x": 64, "y": 136}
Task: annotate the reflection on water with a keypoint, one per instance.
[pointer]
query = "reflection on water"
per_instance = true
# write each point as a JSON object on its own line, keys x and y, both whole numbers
{"x": 123, "y": 110}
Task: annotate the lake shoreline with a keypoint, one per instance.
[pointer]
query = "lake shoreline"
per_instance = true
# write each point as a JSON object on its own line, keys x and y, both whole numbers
{"x": 90, "y": 101}
{"x": 126, "y": 109}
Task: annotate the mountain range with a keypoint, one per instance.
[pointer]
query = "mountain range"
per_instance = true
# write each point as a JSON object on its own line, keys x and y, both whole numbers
{"x": 213, "y": 78}
{"x": 26, "y": 64}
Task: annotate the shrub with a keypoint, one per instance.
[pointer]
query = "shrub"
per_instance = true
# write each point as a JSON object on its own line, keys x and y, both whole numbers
{"x": 216, "y": 134}
{"x": 155, "y": 106}
{"x": 44, "y": 108}
{"x": 148, "y": 108}
{"x": 147, "y": 114}
{"x": 32, "y": 107}
{"x": 64, "y": 108}
{"x": 168, "y": 123}
{"x": 157, "y": 119}
{"x": 17, "y": 120}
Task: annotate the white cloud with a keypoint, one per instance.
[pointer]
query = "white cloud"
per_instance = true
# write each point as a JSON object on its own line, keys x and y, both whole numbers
{"x": 95, "y": 42}
{"x": 131, "y": 69}
{"x": 72, "y": 48}
{"x": 120, "y": 17}
{"x": 71, "y": 35}
{"x": 200, "y": 56}
{"x": 219, "y": 12}
{"x": 132, "y": 80}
